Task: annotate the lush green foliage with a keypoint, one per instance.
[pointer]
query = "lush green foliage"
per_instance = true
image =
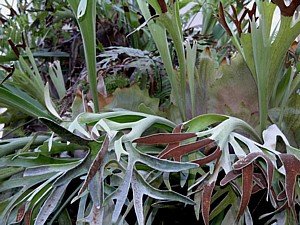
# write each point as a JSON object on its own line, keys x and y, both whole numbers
{"x": 181, "y": 125}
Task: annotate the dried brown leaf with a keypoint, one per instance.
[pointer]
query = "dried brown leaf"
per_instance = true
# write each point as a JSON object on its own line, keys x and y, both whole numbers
{"x": 287, "y": 10}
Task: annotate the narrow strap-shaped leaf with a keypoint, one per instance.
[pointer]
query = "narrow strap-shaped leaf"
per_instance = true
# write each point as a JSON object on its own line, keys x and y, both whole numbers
{"x": 206, "y": 200}
{"x": 287, "y": 10}
{"x": 140, "y": 187}
{"x": 50, "y": 204}
{"x": 185, "y": 149}
{"x": 247, "y": 175}
{"x": 64, "y": 133}
{"x": 138, "y": 193}
{"x": 95, "y": 165}
{"x": 49, "y": 103}
{"x": 21, "y": 212}
{"x": 10, "y": 70}
{"x": 215, "y": 155}
{"x": 177, "y": 129}
{"x": 232, "y": 175}
{"x": 28, "y": 106}
{"x": 165, "y": 138}
{"x": 222, "y": 19}
{"x": 292, "y": 169}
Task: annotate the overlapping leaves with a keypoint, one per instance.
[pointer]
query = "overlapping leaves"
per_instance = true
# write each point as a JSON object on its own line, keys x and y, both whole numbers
{"x": 111, "y": 166}
{"x": 249, "y": 166}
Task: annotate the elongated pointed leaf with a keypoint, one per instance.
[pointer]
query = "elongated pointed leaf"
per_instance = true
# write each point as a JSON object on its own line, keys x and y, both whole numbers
{"x": 292, "y": 169}
{"x": 14, "y": 101}
{"x": 95, "y": 164}
{"x": 64, "y": 133}
{"x": 247, "y": 175}
{"x": 32, "y": 160}
{"x": 165, "y": 138}
{"x": 87, "y": 24}
{"x": 140, "y": 188}
{"x": 206, "y": 200}
{"x": 201, "y": 122}
{"x": 214, "y": 156}
{"x": 50, "y": 204}
{"x": 185, "y": 149}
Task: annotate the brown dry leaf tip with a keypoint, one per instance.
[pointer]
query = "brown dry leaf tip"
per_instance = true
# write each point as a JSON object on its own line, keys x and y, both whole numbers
{"x": 222, "y": 20}
{"x": 12, "y": 12}
{"x": 16, "y": 46}
{"x": 126, "y": 9}
{"x": 207, "y": 51}
{"x": 21, "y": 213}
{"x": 3, "y": 19}
{"x": 10, "y": 69}
{"x": 251, "y": 15}
{"x": 163, "y": 6}
{"x": 78, "y": 94}
{"x": 223, "y": 62}
{"x": 287, "y": 10}
{"x": 293, "y": 47}
{"x": 236, "y": 20}
{"x": 23, "y": 44}
{"x": 252, "y": 12}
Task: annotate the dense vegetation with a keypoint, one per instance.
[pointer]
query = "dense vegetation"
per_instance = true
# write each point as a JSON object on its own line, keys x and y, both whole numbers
{"x": 121, "y": 112}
